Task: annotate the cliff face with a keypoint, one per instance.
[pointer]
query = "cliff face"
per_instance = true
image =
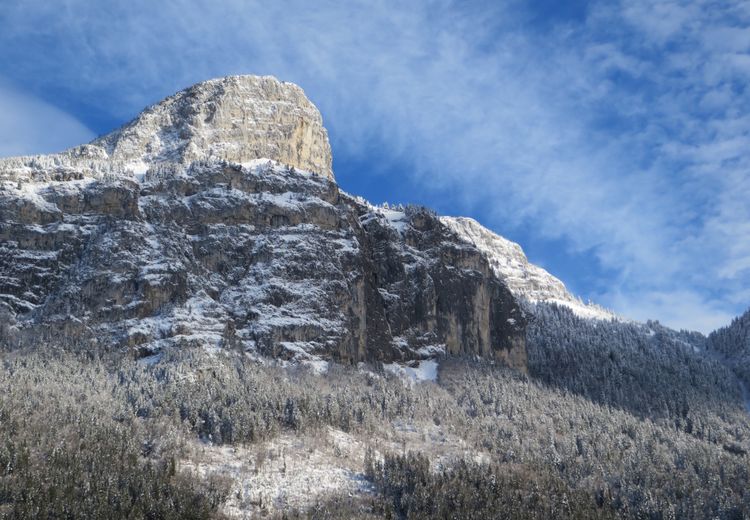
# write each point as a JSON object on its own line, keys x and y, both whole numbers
{"x": 218, "y": 250}
{"x": 528, "y": 282}
{"x": 237, "y": 118}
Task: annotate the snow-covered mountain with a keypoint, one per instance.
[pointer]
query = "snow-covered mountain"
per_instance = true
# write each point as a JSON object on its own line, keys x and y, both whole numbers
{"x": 236, "y": 118}
{"x": 209, "y": 235}
{"x": 525, "y": 280}
{"x": 213, "y": 219}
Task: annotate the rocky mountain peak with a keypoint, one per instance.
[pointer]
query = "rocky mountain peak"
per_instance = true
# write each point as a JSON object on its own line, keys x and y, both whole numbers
{"x": 235, "y": 118}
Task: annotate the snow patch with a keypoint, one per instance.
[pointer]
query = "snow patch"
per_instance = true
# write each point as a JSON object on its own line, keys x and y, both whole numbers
{"x": 138, "y": 169}
{"x": 425, "y": 370}
{"x": 291, "y": 471}
{"x": 396, "y": 219}
{"x": 318, "y": 366}
{"x": 150, "y": 360}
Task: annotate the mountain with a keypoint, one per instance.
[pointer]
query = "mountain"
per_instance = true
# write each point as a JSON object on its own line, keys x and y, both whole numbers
{"x": 155, "y": 284}
{"x": 528, "y": 282}
{"x": 213, "y": 219}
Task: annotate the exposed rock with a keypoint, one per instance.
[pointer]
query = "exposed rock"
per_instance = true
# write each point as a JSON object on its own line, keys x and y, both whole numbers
{"x": 258, "y": 256}
{"x": 525, "y": 280}
{"x": 236, "y": 118}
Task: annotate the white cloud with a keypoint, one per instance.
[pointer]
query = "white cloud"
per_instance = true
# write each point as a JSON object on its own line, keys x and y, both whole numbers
{"x": 31, "y": 126}
{"x": 680, "y": 309}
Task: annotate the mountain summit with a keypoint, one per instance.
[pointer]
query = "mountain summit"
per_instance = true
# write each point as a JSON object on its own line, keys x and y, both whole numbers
{"x": 236, "y": 118}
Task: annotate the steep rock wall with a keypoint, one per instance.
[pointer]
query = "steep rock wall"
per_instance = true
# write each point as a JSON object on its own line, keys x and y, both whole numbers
{"x": 236, "y": 118}
{"x": 257, "y": 257}
{"x": 171, "y": 232}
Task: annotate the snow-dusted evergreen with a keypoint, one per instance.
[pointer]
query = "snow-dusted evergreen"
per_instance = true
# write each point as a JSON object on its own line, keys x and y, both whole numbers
{"x": 732, "y": 343}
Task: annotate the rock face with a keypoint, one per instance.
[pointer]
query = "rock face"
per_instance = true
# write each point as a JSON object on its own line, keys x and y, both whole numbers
{"x": 206, "y": 246}
{"x": 525, "y": 280}
{"x": 237, "y": 118}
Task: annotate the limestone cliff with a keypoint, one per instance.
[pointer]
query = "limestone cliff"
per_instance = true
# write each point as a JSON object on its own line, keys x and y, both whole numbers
{"x": 236, "y": 118}
{"x": 204, "y": 245}
{"x": 526, "y": 281}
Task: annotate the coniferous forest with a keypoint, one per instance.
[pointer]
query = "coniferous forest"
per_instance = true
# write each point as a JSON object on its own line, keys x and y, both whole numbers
{"x": 612, "y": 420}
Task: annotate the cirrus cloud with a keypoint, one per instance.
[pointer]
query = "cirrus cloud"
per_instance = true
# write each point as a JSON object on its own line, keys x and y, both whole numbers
{"x": 29, "y": 125}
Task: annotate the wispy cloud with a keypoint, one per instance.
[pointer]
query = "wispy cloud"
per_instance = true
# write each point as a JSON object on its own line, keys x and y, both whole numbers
{"x": 29, "y": 125}
{"x": 623, "y": 132}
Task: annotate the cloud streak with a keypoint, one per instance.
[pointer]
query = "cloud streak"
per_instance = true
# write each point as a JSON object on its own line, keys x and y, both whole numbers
{"x": 624, "y": 134}
{"x": 29, "y": 125}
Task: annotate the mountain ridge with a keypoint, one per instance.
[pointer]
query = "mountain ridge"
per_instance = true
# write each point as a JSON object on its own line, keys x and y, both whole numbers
{"x": 195, "y": 154}
{"x": 526, "y": 280}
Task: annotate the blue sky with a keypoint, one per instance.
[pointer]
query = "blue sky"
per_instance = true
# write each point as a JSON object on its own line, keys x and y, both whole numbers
{"x": 610, "y": 139}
